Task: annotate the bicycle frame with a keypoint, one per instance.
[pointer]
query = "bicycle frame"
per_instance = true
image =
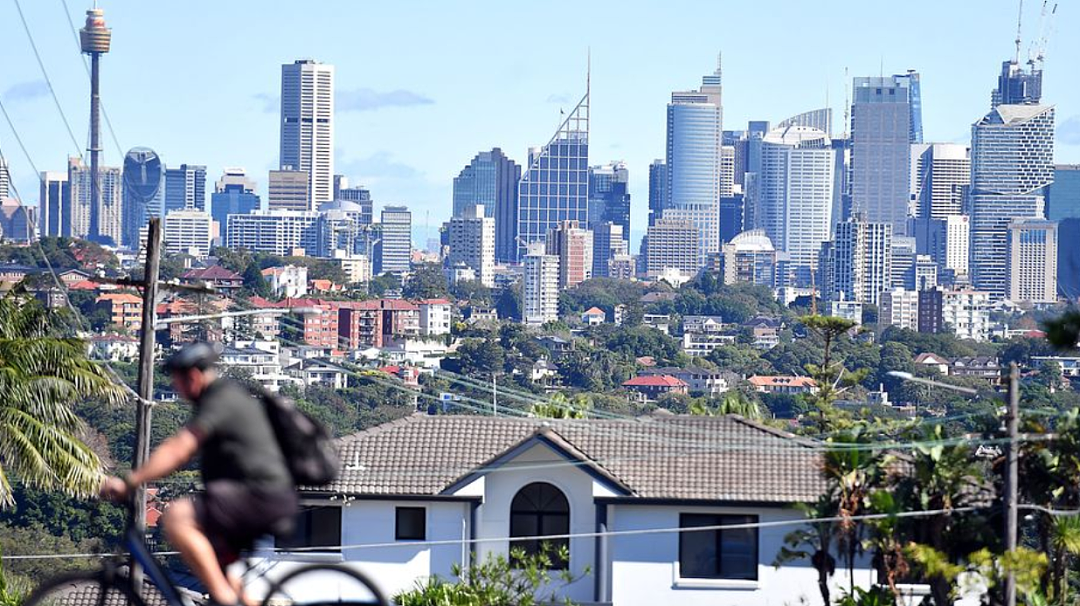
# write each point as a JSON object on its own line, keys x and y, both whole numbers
{"x": 140, "y": 554}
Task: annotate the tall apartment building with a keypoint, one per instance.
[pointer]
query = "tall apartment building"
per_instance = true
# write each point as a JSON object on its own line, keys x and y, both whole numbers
{"x": 1012, "y": 160}
{"x": 394, "y": 254}
{"x": 54, "y": 205}
{"x": 5, "y": 179}
{"x": 103, "y": 224}
{"x": 881, "y": 138}
{"x": 185, "y": 188}
{"x": 187, "y": 232}
{"x": 573, "y": 245}
{"x": 275, "y": 232}
{"x": 540, "y": 294}
{"x": 472, "y": 243}
{"x": 288, "y": 190}
{"x": 694, "y": 159}
{"x": 750, "y": 257}
{"x": 942, "y": 174}
{"x": 491, "y": 179}
{"x": 609, "y": 196}
{"x": 609, "y": 243}
{"x": 554, "y": 187}
{"x": 307, "y": 125}
{"x": 1032, "y": 261}
{"x": 359, "y": 195}
{"x": 795, "y": 193}
{"x": 899, "y": 307}
{"x": 861, "y": 261}
{"x": 672, "y": 244}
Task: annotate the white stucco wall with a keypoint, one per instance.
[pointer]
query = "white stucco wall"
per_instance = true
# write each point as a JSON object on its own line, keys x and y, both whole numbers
{"x": 645, "y": 567}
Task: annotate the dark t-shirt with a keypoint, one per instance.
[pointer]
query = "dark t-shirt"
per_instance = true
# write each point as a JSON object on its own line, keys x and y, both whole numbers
{"x": 236, "y": 439}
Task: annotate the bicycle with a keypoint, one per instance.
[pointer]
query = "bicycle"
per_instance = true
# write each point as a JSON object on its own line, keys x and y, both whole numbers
{"x": 319, "y": 584}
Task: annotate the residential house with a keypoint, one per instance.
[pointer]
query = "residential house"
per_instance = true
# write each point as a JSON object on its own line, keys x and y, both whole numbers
{"x": 217, "y": 277}
{"x": 661, "y": 322}
{"x": 1070, "y": 365}
{"x": 543, "y": 371}
{"x": 258, "y": 359}
{"x": 432, "y": 492}
{"x": 651, "y": 387}
{"x": 290, "y": 281}
{"x": 319, "y": 286}
{"x": 783, "y": 384}
{"x": 982, "y": 367}
{"x": 764, "y": 331}
{"x": 702, "y": 334}
{"x": 113, "y": 347}
{"x": 13, "y": 273}
{"x": 409, "y": 375}
{"x": 658, "y": 296}
{"x": 72, "y": 276}
{"x": 320, "y": 373}
{"x": 556, "y": 345}
{"x": 481, "y": 316}
{"x": 125, "y": 309}
{"x": 593, "y": 316}
{"x": 932, "y": 360}
{"x": 698, "y": 380}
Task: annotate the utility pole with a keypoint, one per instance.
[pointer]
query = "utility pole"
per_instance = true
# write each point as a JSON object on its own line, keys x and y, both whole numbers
{"x": 1012, "y": 425}
{"x": 146, "y": 371}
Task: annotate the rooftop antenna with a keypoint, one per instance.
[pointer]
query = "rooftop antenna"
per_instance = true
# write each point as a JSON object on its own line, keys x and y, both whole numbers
{"x": 847, "y": 103}
{"x": 588, "y": 71}
{"x": 1019, "y": 21}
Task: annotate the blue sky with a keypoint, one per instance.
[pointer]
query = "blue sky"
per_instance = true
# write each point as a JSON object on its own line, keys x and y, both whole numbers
{"x": 423, "y": 86}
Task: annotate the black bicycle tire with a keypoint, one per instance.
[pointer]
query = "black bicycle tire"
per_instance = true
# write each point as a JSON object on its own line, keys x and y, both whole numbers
{"x": 356, "y": 575}
{"x": 103, "y": 578}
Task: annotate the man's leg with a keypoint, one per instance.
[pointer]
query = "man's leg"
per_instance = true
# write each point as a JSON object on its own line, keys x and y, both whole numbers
{"x": 184, "y": 533}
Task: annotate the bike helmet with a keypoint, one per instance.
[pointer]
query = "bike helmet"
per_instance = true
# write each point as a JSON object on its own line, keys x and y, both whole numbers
{"x": 201, "y": 355}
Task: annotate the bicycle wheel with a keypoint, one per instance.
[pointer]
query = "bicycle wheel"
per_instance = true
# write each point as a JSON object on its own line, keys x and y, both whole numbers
{"x": 324, "y": 585}
{"x": 91, "y": 588}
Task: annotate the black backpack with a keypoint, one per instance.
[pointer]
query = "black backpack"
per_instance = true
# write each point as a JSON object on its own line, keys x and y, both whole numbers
{"x": 308, "y": 448}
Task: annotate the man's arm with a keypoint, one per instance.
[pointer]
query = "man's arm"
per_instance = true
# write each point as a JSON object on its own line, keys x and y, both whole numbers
{"x": 171, "y": 455}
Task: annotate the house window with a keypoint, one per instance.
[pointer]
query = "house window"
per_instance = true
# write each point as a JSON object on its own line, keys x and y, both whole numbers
{"x": 539, "y": 510}
{"x": 316, "y": 527}
{"x": 410, "y": 524}
{"x": 717, "y": 553}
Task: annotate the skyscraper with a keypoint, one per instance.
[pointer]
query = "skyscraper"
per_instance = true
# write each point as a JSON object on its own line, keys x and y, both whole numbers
{"x": 492, "y": 179}
{"x": 915, "y": 129}
{"x": 1012, "y": 151}
{"x": 472, "y": 243}
{"x": 234, "y": 194}
{"x": 942, "y": 174}
{"x": 288, "y": 189}
{"x": 359, "y": 195}
{"x": 861, "y": 261}
{"x": 185, "y": 188}
{"x": 5, "y": 179}
{"x": 658, "y": 189}
{"x": 395, "y": 244}
{"x": 276, "y": 232}
{"x": 881, "y": 150}
{"x": 821, "y": 119}
{"x": 187, "y": 232}
{"x": 573, "y": 245}
{"x": 1063, "y": 195}
{"x": 694, "y": 142}
{"x": 555, "y": 186}
{"x": 307, "y": 125}
{"x": 1032, "y": 258}
{"x": 608, "y": 243}
{"x": 795, "y": 196}
{"x": 540, "y": 293}
{"x": 54, "y": 206}
{"x": 1017, "y": 86}
{"x": 144, "y": 190}
{"x": 609, "y": 196}
{"x": 107, "y": 217}
{"x": 672, "y": 244}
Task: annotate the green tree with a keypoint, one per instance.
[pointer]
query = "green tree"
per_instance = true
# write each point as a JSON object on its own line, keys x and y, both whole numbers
{"x": 481, "y": 357}
{"x": 254, "y": 281}
{"x": 508, "y": 303}
{"x": 42, "y": 375}
{"x": 426, "y": 282}
{"x": 731, "y": 402}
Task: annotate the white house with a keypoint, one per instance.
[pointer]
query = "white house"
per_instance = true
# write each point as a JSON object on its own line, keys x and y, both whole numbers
{"x": 289, "y": 281}
{"x": 422, "y": 493}
{"x": 435, "y": 316}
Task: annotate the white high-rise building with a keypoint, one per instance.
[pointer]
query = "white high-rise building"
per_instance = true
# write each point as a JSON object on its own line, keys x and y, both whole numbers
{"x": 1033, "y": 253}
{"x": 109, "y": 216}
{"x": 277, "y": 232}
{"x": 967, "y": 312}
{"x": 5, "y": 179}
{"x": 899, "y": 307}
{"x": 187, "y": 232}
{"x": 941, "y": 172}
{"x": 472, "y": 243}
{"x": 541, "y": 291}
{"x": 307, "y": 125}
{"x": 795, "y": 195}
{"x": 1012, "y": 160}
{"x": 957, "y": 243}
{"x": 672, "y": 243}
{"x": 694, "y": 159}
{"x": 861, "y": 258}
{"x": 395, "y": 241}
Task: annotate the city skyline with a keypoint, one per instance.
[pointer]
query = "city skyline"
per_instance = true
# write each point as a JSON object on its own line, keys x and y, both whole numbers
{"x": 389, "y": 109}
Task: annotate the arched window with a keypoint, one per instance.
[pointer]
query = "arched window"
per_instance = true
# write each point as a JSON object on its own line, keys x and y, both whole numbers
{"x": 538, "y": 510}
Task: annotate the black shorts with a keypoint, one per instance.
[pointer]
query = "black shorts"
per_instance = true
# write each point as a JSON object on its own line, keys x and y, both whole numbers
{"x": 234, "y": 516}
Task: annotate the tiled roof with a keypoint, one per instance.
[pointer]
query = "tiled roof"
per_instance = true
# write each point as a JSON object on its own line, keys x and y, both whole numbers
{"x": 86, "y": 593}
{"x": 654, "y": 381}
{"x": 781, "y": 381}
{"x": 930, "y": 358}
{"x": 214, "y": 272}
{"x": 119, "y": 297}
{"x": 724, "y": 458}
{"x": 594, "y": 311}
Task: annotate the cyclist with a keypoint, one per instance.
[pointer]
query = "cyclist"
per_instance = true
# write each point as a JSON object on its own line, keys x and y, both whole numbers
{"x": 248, "y": 489}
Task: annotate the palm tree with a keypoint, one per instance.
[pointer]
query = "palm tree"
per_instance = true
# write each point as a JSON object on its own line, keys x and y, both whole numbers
{"x": 733, "y": 402}
{"x": 43, "y": 373}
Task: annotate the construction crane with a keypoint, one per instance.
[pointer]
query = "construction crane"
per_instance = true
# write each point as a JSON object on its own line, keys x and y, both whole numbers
{"x": 1037, "y": 51}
